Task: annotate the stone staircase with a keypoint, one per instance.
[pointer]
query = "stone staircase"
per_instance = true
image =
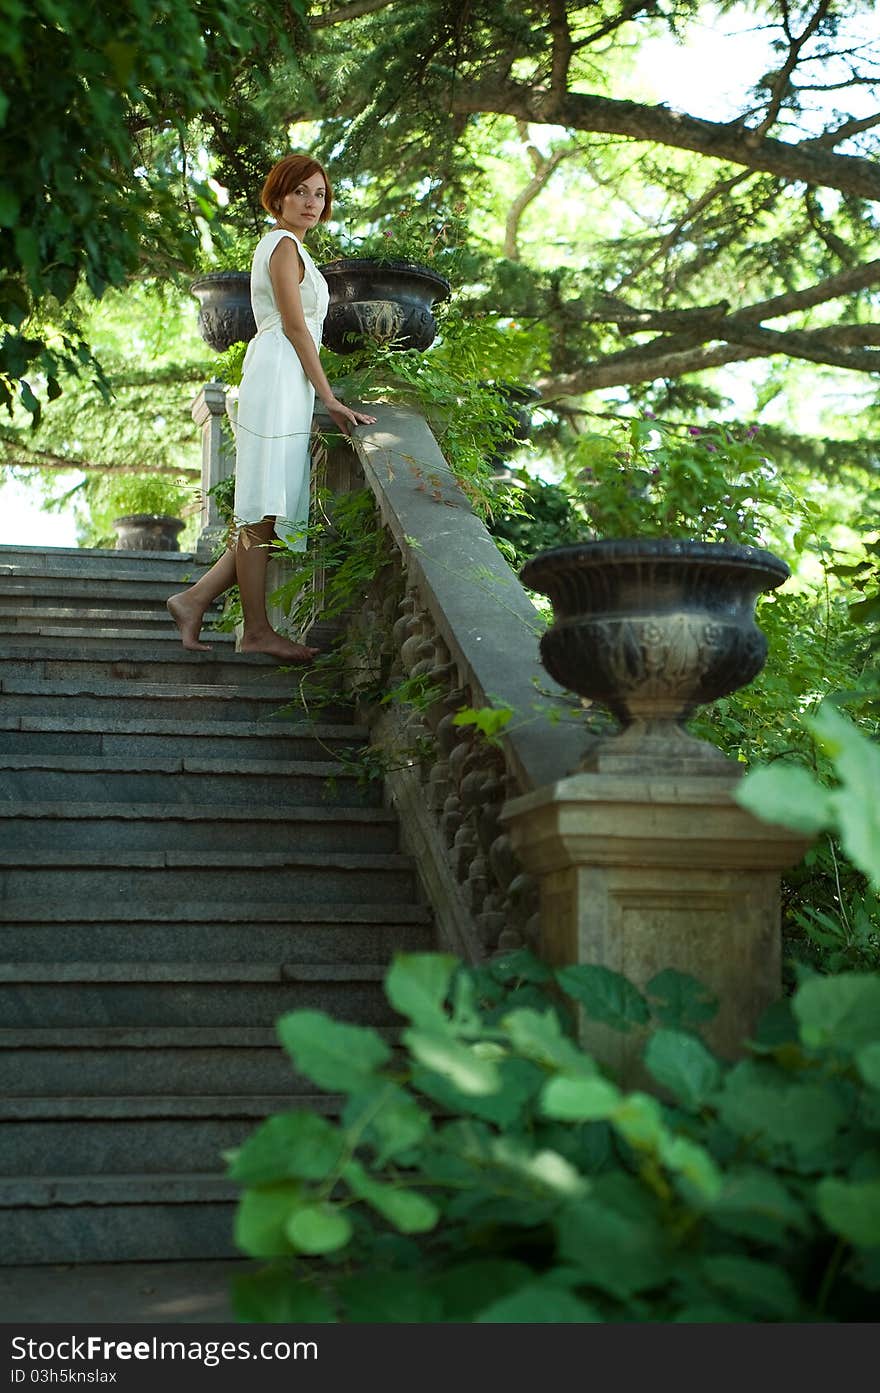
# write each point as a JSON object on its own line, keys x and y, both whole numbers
{"x": 179, "y": 864}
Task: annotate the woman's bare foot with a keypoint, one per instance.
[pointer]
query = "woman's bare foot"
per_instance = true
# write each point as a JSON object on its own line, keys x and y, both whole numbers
{"x": 276, "y": 646}
{"x": 188, "y": 618}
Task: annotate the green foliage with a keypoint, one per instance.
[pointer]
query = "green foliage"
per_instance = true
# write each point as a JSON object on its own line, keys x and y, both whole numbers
{"x": 93, "y": 147}
{"x": 417, "y": 232}
{"x": 112, "y": 496}
{"x": 651, "y": 479}
{"x": 533, "y": 1187}
{"x": 851, "y": 808}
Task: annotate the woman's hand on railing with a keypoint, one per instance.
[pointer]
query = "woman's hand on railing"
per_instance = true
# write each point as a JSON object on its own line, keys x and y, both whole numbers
{"x": 345, "y": 417}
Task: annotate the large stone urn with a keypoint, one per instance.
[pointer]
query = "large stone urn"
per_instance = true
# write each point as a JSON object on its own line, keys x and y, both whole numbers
{"x": 382, "y": 302}
{"x": 147, "y": 532}
{"x": 225, "y": 313}
{"x": 651, "y": 629}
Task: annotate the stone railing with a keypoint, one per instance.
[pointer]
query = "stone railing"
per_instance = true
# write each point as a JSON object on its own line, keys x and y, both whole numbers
{"x": 448, "y": 619}
{"x": 519, "y": 840}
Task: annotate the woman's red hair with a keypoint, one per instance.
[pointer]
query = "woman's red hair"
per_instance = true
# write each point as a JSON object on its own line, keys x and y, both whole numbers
{"x": 287, "y": 175}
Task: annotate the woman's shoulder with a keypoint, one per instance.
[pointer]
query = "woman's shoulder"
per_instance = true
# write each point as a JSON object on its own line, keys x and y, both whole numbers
{"x": 274, "y": 233}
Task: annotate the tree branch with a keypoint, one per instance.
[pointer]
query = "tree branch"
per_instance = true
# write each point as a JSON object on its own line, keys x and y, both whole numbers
{"x": 543, "y": 167}
{"x": 805, "y": 162}
{"x": 354, "y": 10}
{"x": 816, "y": 346}
{"x": 782, "y": 79}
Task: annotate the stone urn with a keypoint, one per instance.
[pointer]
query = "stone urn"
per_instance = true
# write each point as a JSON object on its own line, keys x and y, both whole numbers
{"x": 147, "y": 532}
{"x": 651, "y": 629}
{"x": 225, "y": 313}
{"x": 384, "y": 302}
{"x": 519, "y": 400}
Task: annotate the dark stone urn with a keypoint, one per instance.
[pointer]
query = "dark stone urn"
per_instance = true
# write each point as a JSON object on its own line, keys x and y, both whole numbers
{"x": 652, "y": 629}
{"x": 383, "y": 302}
{"x": 147, "y": 532}
{"x": 225, "y": 314}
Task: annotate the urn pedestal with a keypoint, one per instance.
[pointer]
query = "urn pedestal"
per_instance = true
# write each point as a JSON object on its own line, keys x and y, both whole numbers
{"x": 644, "y": 859}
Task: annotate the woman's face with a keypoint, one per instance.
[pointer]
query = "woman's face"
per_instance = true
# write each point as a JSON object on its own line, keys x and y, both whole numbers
{"x": 303, "y": 206}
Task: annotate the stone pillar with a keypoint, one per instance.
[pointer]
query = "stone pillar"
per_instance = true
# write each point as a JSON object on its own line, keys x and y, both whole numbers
{"x": 642, "y": 874}
{"x": 218, "y": 462}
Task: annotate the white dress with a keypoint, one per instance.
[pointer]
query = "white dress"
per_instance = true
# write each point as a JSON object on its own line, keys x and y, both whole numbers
{"x": 275, "y": 404}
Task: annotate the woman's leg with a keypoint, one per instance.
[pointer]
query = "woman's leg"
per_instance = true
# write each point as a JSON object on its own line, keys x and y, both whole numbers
{"x": 251, "y": 560}
{"x": 188, "y": 607}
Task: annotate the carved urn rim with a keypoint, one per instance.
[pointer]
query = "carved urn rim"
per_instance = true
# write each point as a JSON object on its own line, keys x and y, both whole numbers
{"x": 621, "y": 550}
{"x": 345, "y": 265}
{"x": 214, "y": 278}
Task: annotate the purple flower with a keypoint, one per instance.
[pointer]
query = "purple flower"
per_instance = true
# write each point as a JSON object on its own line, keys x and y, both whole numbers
{"x": 751, "y": 432}
{"x": 694, "y": 430}
{"x": 710, "y": 446}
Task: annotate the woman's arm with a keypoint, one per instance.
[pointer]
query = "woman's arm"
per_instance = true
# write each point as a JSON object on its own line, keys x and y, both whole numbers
{"x": 286, "y": 271}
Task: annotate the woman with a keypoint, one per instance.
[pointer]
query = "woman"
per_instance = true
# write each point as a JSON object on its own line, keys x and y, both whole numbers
{"x": 282, "y": 372}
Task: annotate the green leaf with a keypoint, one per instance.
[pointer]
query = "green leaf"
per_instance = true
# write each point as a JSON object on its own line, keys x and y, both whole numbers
{"x": 682, "y": 1063}
{"x": 387, "y": 1118}
{"x": 538, "y": 1035}
{"x": 396, "y": 1298}
{"x": 289, "y": 1145}
{"x": 680, "y": 999}
{"x": 546, "y": 1169}
{"x": 538, "y": 1303}
{"x": 605, "y": 995}
{"x": 488, "y": 719}
{"x": 406, "y": 1209}
{"x": 752, "y": 1199}
{"x": 333, "y": 1055}
{"x": 520, "y": 1082}
{"x": 693, "y": 1163}
{"x": 457, "y": 1062}
{"x": 785, "y": 795}
{"x": 756, "y": 1102}
{"x": 462, "y": 1288}
{"x": 855, "y": 805}
{"x": 840, "y": 1012}
{"x": 868, "y": 1063}
{"x": 760, "y": 1288}
{"x": 579, "y": 1100}
{"x": 318, "y": 1228}
{"x": 614, "y": 1252}
{"x": 417, "y": 985}
{"x": 851, "y": 1209}
{"x": 9, "y": 208}
{"x": 275, "y": 1295}
{"x": 261, "y": 1219}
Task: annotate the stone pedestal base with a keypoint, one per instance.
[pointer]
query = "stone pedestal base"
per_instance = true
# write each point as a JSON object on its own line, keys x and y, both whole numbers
{"x": 639, "y": 875}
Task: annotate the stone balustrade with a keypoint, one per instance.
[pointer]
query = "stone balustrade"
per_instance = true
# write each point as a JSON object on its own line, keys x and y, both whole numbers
{"x": 517, "y": 842}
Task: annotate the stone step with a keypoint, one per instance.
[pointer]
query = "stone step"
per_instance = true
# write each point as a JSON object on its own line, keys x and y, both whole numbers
{"x": 121, "y": 876}
{"x": 183, "y": 701}
{"x": 85, "y": 617}
{"x": 160, "y": 827}
{"x": 135, "y": 590}
{"x": 99, "y": 639}
{"x": 97, "y": 562}
{"x": 194, "y": 994}
{"x": 269, "y": 739}
{"x": 151, "y": 1133}
{"x": 131, "y": 1232}
{"x": 130, "y": 662}
{"x": 55, "y": 778}
{"x": 82, "y": 931}
{"x": 73, "y": 1070}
